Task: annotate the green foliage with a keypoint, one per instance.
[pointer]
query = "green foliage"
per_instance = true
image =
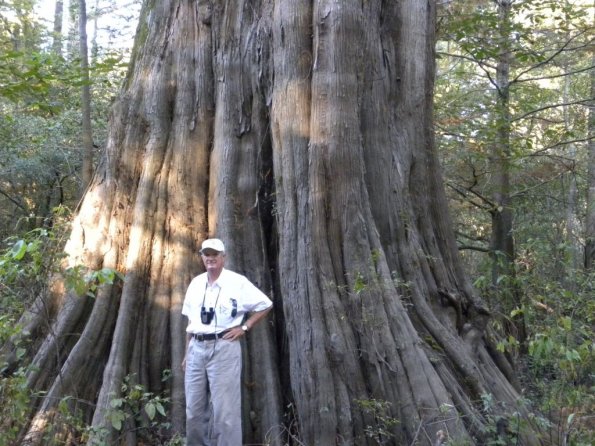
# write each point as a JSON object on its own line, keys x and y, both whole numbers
{"x": 138, "y": 409}
{"x": 549, "y": 86}
{"x": 25, "y": 265}
{"x": 86, "y": 283}
{"x": 146, "y": 411}
{"x": 13, "y": 386}
{"x": 27, "y": 262}
{"x": 558, "y": 372}
{"x": 136, "y": 403}
{"x": 381, "y": 431}
{"x": 562, "y": 354}
{"x": 27, "y": 79}
{"x": 17, "y": 402}
{"x": 499, "y": 430}
{"x": 359, "y": 283}
{"x": 40, "y": 129}
{"x": 37, "y": 169}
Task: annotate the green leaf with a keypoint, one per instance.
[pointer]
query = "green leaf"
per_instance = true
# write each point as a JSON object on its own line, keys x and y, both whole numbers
{"x": 117, "y": 402}
{"x": 116, "y": 419}
{"x": 150, "y": 410}
{"x": 80, "y": 287}
{"x": 573, "y": 355}
{"x": 516, "y": 312}
{"x": 160, "y": 408}
{"x": 20, "y": 352}
{"x": 19, "y": 249}
{"x": 566, "y": 323}
{"x": 360, "y": 284}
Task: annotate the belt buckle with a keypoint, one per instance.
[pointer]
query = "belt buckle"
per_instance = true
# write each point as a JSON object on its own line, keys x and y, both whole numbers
{"x": 201, "y": 337}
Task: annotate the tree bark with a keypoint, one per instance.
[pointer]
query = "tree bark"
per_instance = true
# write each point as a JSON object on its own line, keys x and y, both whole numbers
{"x": 573, "y": 229}
{"x": 301, "y": 133}
{"x": 87, "y": 135}
{"x": 590, "y": 219}
{"x": 502, "y": 238}
{"x": 57, "y": 34}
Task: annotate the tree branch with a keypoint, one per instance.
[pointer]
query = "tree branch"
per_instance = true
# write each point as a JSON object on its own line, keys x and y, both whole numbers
{"x": 12, "y": 200}
{"x": 562, "y": 143}
{"x": 554, "y": 76}
{"x": 547, "y": 107}
{"x": 473, "y": 248}
{"x": 464, "y": 191}
{"x": 555, "y": 54}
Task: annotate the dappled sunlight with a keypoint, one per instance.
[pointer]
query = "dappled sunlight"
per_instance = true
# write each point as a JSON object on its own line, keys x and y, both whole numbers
{"x": 296, "y": 101}
{"x": 37, "y": 427}
{"x": 85, "y": 237}
{"x": 139, "y": 238}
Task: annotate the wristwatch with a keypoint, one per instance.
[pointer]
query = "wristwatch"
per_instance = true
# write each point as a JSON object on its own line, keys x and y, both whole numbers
{"x": 245, "y": 328}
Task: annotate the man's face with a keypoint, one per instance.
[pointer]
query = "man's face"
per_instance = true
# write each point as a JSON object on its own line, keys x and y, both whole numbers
{"x": 213, "y": 261}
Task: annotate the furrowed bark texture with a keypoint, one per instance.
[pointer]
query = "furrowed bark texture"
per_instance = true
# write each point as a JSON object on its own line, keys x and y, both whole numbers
{"x": 300, "y": 132}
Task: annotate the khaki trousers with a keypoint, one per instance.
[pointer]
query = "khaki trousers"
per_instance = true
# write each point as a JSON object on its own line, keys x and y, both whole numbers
{"x": 213, "y": 393}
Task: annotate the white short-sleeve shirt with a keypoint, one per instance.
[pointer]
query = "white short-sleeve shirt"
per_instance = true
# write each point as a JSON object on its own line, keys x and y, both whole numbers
{"x": 231, "y": 297}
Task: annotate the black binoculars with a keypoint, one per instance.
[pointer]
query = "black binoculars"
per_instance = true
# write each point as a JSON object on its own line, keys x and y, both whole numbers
{"x": 206, "y": 316}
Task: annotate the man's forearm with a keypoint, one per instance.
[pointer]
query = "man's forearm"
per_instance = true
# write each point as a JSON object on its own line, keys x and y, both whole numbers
{"x": 256, "y": 317}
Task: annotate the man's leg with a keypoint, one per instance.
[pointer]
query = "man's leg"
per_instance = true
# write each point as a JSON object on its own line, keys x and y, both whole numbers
{"x": 197, "y": 395}
{"x": 225, "y": 372}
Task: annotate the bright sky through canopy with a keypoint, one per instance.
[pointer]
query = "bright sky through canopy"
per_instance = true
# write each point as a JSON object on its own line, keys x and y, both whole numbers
{"x": 116, "y": 20}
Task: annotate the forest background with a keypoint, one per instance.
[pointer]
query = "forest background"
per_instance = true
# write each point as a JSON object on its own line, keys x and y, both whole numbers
{"x": 514, "y": 125}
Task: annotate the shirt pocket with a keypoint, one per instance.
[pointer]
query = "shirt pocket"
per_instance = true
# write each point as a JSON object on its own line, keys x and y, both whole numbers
{"x": 229, "y": 307}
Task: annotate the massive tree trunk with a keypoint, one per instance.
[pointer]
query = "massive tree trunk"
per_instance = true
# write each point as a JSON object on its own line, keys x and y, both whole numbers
{"x": 300, "y": 132}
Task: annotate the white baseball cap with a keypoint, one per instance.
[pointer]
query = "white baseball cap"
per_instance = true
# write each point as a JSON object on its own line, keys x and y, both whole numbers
{"x": 212, "y": 243}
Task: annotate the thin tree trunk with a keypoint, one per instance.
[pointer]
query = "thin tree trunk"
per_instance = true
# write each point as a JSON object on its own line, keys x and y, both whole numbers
{"x": 94, "y": 44}
{"x": 57, "y": 34}
{"x": 572, "y": 223}
{"x": 87, "y": 136}
{"x": 502, "y": 239}
{"x": 590, "y": 218}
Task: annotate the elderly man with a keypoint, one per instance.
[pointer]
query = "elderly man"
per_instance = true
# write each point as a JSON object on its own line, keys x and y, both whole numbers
{"x": 216, "y": 305}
